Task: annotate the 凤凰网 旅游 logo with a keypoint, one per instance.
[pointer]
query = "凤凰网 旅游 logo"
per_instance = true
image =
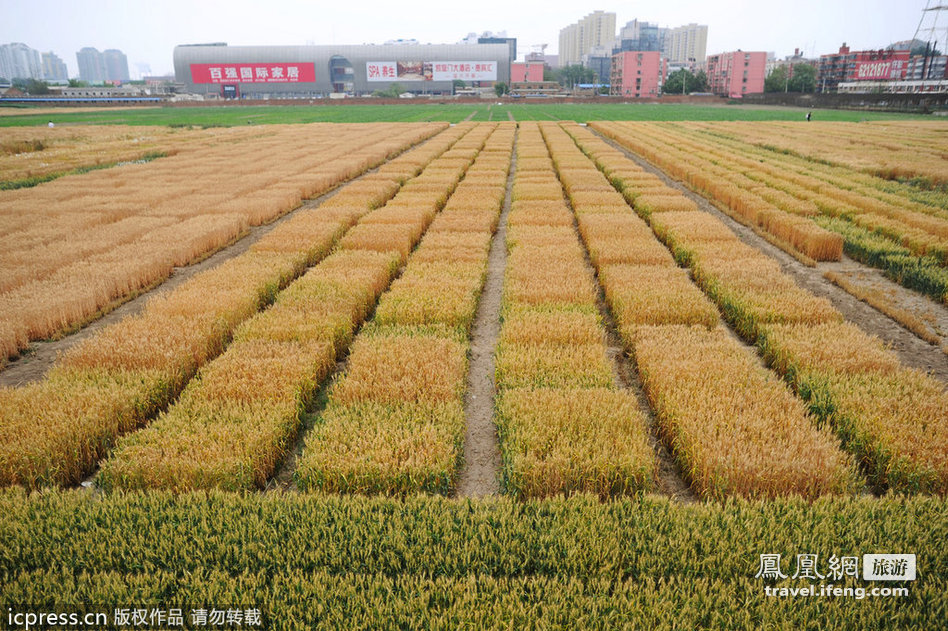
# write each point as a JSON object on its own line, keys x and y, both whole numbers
{"x": 888, "y": 567}
{"x": 838, "y": 575}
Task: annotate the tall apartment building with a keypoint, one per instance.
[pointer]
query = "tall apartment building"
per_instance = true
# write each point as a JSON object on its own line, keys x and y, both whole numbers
{"x": 736, "y": 74}
{"x": 96, "y": 67}
{"x": 686, "y": 44}
{"x": 116, "y": 65}
{"x": 596, "y": 29}
{"x": 54, "y": 68}
{"x": 19, "y": 61}
{"x": 91, "y": 65}
{"x": 637, "y": 35}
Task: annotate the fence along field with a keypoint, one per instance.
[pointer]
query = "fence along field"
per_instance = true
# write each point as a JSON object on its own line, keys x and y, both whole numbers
{"x": 812, "y": 210}
{"x": 77, "y": 246}
{"x": 893, "y": 419}
{"x": 117, "y": 380}
{"x": 233, "y": 424}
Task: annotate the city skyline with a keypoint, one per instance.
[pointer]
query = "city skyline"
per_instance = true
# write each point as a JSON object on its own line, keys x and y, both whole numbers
{"x": 148, "y": 37}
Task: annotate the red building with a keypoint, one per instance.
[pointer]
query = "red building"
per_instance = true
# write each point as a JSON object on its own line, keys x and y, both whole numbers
{"x": 736, "y": 74}
{"x": 638, "y": 74}
{"x": 524, "y": 72}
{"x": 864, "y": 65}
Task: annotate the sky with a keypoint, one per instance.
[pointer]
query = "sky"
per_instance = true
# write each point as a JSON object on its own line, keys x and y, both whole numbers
{"x": 148, "y": 31}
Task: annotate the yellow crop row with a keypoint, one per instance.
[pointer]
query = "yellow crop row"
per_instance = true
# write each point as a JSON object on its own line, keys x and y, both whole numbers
{"x": 889, "y": 149}
{"x": 34, "y": 152}
{"x": 894, "y": 420}
{"x": 54, "y": 431}
{"x": 394, "y": 422}
{"x": 745, "y": 174}
{"x": 235, "y": 422}
{"x": 564, "y": 426}
{"x": 734, "y": 428}
{"x": 59, "y": 272}
{"x": 789, "y": 231}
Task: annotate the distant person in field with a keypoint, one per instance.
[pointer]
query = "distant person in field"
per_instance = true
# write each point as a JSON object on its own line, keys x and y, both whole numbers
{"x": 52, "y": 124}
{"x": 808, "y": 116}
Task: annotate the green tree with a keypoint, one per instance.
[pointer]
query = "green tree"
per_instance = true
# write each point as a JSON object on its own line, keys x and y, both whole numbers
{"x": 392, "y": 92}
{"x": 456, "y": 85}
{"x": 500, "y": 88}
{"x": 33, "y": 87}
{"x": 777, "y": 80}
{"x": 76, "y": 83}
{"x": 801, "y": 78}
{"x": 684, "y": 81}
{"x": 570, "y": 76}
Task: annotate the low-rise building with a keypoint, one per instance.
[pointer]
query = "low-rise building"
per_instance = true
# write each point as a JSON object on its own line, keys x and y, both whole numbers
{"x": 638, "y": 74}
{"x": 848, "y": 66}
{"x": 521, "y": 71}
{"x": 736, "y": 73}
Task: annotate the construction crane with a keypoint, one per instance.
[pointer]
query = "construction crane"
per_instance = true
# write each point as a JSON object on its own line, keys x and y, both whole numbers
{"x": 930, "y": 32}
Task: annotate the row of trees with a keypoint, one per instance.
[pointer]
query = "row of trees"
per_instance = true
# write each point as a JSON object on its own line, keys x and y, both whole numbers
{"x": 797, "y": 78}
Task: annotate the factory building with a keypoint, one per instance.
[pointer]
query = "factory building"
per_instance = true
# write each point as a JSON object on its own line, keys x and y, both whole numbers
{"x": 322, "y": 71}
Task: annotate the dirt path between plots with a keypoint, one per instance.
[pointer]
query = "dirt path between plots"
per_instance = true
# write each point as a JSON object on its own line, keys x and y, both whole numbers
{"x": 911, "y": 350}
{"x": 35, "y": 362}
{"x": 480, "y": 474}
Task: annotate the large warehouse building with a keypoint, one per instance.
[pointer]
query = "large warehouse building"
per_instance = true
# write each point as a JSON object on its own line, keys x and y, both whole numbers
{"x": 319, "y": 71}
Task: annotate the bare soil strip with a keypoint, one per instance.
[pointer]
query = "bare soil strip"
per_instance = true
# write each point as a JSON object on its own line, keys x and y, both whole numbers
{"x": 480, "y": 473}
{"x": 33, "y": 364}
{"x": 911, "y": 350}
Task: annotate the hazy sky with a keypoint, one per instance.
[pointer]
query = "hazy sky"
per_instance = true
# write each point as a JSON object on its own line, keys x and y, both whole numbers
{"x": 147, "y": 31}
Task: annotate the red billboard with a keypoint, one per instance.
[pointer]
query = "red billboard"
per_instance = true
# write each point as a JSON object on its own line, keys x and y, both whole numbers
{"x": 873, "y": 70}
{"x": 254, "y": 73}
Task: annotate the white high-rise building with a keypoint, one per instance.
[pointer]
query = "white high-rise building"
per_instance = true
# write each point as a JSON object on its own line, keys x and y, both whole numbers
{"x": 596, "y": 29}
{"x": 686, "y": 44}
{"x": 54, "y": 68}
{"x": 19, "y": 61}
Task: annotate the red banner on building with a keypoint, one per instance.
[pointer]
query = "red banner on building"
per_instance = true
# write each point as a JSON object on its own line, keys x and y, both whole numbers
{"x": 254, "y": 73}
{"x": 882, "y": 69}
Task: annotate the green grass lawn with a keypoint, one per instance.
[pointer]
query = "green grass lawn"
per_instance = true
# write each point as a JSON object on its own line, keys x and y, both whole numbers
{"x": 580, "y": 112}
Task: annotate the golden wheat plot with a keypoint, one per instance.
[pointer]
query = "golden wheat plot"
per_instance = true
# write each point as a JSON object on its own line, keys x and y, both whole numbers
{"x": 564, "y": 426}
{"x": 118, "y": 379}
{"x": 233, "y": 425}
{"x": 754, "y": 180}
{"x": 105, "y": 235}
{"x": 762, "y": 442}
{"x": 893, "y": 419}
{"x": 39, "y": 152}
{"x": 702, "y": 384}
{"x": 394, "y": 423}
